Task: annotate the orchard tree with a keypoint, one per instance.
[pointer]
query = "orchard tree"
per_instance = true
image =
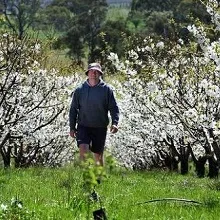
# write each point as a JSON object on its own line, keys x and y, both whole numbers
{"x": 33, "y": 107}
{"x": 20, "y": 14}
{"x": 171, "y": 107}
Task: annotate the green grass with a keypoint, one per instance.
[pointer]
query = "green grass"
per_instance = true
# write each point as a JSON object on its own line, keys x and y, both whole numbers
{"x": 60, "y": 194}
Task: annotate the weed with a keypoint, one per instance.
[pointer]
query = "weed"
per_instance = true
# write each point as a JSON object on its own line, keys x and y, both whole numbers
{"x": 214, "y": 185}
{"x": 16, "y": 210}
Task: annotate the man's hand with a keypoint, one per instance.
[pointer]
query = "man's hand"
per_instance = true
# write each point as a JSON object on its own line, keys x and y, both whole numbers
{"x": 113, "y": 129}
{"x": 73, "y": 133}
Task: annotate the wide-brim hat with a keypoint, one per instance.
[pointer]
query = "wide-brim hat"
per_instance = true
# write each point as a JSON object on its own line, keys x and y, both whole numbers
{"x": 94, "y": 66}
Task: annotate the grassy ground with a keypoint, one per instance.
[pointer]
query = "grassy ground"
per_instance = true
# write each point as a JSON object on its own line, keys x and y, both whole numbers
{"x": 59, "y": 194}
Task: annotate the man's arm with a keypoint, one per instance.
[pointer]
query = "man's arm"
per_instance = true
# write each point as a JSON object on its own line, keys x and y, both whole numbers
{"x": 114, "y": 112}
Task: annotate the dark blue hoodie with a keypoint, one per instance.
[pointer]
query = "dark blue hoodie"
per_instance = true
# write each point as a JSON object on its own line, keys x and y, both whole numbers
{"x": 91, "y": 104}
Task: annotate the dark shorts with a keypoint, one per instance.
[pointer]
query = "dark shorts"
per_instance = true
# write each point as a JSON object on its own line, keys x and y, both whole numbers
{"x": 94, "y": 137}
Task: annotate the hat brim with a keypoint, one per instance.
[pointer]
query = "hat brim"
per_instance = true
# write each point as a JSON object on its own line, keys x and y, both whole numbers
{"x": 94, "y": 68}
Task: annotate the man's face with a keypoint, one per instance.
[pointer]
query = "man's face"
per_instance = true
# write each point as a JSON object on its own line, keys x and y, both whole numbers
{"x": 94, "y": 74}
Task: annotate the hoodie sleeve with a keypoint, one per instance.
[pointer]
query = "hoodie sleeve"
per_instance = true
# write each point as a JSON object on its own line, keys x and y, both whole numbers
{"x": 74, "y": 108}
{"x": 113, "y": 107}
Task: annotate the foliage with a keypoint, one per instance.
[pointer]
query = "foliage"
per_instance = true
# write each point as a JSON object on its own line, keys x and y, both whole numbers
{"x": 159, "y": 23}
{"x": 20, "y": 15}
{"x": 187, "y": 11}
{"x": 85, "y": 25}
{"x": 113, "y": 36}
{"x": 157, "y": 5}
{"x": 57, "y": 16}
{"x": 80, "y": 24}
{"x": 159, "y": 16}
{"x": 138, "y": 20}
{"x": 92, "y": 174}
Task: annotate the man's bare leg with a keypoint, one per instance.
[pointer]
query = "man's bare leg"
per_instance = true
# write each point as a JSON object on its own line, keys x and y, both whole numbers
{"x": 83, "y": 150}
{"x": 99, "y": 158}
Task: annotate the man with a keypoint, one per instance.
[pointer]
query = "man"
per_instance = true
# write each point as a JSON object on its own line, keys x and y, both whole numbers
{"x": 89, "y": 109}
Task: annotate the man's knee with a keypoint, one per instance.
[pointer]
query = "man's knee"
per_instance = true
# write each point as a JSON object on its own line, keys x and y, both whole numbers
{"x": 83, "y": 150}
{"x": 84, "y": 147}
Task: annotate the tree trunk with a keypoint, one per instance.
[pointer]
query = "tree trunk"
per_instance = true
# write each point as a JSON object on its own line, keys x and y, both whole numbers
{"x": 174, "y": 164}
{"x": 215, "y": 144}
{"x": 184, "y": 163}
{"x": 173, "y": 157}
{"x": 6, "y": 151}
{"x": 200, "y": 166}
{"x": 213, "y": 168}
{"x": 6, "y": 156}
{"x": 184, "y": 160}
{"x": 199, "y": 163}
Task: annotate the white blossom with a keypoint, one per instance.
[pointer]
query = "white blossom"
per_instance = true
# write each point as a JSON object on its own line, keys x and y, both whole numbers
{"x": 4, "y": 207}
{"x": 160, "y": 45}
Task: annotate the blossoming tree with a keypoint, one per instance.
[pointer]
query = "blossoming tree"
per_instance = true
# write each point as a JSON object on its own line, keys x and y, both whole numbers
{"x": 171, "y": 107}
{"x": 33, "y": 107}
